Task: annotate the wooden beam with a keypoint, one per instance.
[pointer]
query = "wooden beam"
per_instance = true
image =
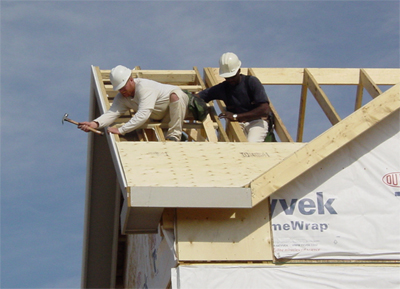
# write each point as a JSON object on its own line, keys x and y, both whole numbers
{"x": 102, "y": 90}
{"x": 302, "y": 112}
{"x": 326, "y": 144}
{"x": 199, "y": 80}
{"x": 369, "y": 84}
{"x": 159, "y": 133}
{"x": 384, "y": 76}
{"x": 280, "y": 127}
{"x": 209, "y": 129}
{"x": 321, "y": 97}
{"x": 330, "y": 76}
{"x": 359, "y": 96}
{"x": 164, "y": 76}
{"x": 221, "y": 129}
{"x": 278, "y": 76}
{"x": 224, "y": 234}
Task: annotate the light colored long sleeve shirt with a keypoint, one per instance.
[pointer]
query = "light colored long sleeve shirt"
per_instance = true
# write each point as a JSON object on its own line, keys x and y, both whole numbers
{"x": 151, "y": 100}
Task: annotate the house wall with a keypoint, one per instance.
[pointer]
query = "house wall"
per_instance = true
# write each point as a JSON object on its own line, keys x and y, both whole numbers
{"x": 224, "y": 234}
{"x": 149, "y": 259}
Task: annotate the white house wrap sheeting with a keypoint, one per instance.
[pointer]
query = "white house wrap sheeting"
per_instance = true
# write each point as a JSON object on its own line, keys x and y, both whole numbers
{"x": 348, "y": 207}
{"x": 278, "y": 277}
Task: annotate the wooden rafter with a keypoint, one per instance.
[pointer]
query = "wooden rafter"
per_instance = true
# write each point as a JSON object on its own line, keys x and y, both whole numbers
{"x": 321, "y": 97}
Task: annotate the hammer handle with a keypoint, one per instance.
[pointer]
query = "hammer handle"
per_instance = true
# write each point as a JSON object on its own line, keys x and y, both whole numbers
{"x": 91, "y": 129}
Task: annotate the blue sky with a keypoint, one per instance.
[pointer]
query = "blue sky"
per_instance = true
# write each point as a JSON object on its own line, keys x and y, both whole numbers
{"x": 47, "y": 48}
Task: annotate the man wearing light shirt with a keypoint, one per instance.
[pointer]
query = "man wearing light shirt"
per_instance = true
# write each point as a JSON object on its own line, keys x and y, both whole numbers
{"x": 149, "y": 99}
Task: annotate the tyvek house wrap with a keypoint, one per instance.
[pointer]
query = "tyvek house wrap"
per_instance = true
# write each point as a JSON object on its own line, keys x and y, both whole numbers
{"x": 348, "y": 207}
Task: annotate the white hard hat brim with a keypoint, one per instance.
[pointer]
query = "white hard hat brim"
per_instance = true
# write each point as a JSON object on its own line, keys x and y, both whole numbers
{"x": 229, "y": 74}
{"x": 121, "y": 85}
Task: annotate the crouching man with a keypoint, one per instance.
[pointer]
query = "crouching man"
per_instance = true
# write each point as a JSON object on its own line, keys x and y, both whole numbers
{"x": 148, "y": 98}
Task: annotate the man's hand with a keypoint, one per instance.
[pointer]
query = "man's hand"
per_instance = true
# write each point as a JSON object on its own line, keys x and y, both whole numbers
{"x": 86, "y": 124}
{"x": 113, "y": 130}
{"x": 227, "y": 114}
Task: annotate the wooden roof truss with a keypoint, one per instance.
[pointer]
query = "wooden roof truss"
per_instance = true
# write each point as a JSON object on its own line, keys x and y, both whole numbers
{"x": 116, "y": 205}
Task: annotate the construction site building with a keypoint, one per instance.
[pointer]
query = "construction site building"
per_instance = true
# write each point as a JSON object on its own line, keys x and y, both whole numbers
{"x": 216, "y": 211}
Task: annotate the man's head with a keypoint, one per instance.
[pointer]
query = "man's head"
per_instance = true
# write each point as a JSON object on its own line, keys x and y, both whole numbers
{"x": 233, "y": 80}
{"x": 119, "y": 76}
{"x": 229, "y": 65}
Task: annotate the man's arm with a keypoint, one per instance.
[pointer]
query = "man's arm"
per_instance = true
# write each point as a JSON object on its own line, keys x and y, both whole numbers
{"x": 116, "y": 109}
{"x": 139, "y": 119}
{"x": 260, "y": 111}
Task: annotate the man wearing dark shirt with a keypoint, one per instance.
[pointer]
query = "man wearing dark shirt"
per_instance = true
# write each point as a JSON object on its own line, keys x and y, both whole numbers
{"x": 244, "y": 96}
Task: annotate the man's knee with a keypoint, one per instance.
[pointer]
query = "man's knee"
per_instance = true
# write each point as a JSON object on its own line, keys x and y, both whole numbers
{"x": 173, "y": 97}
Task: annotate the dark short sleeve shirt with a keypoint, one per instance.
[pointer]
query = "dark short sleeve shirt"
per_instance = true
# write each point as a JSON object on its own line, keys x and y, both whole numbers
{"x": 237, "y": 98}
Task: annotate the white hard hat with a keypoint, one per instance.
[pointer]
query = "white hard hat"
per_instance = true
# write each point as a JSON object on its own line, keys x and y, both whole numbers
{"x": 229, "y": 64}
{"x": 119, "y": 76}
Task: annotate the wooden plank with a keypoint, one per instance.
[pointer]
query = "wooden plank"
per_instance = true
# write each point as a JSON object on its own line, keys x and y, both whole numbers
{"x": 294, "y": 76}
{"x": 199, "y": 164}
{"x": 112, "y": 93}
{"x": 163, "y": 76}
{"x": 384, "y": 76}
{"x": 326, "y": 144}
{"x": 333, "y": 76}
{"x": 288, "y": 76}
{"x": 168, "y": 218}
{"x": 159, "y": 133}
{"x": 103, "y": 93}
{"x": 302, "y": 113}
{"x": 210, "y": 130}
{"x": 359, "y": 96}
{"x": 280, "y": 127}
{"x": 321, "y": 97}
{"x": 279, "y": 76}
{"x": 224, "y": 234}
{"x": 199, "y": 80}
{"x": 195, "y": 135}
{"x": 369, "y": 84}
{"x": 221, "y": 129}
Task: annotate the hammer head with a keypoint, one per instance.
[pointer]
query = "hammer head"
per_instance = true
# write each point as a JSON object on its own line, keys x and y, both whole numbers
{"x": 64, "y": 118}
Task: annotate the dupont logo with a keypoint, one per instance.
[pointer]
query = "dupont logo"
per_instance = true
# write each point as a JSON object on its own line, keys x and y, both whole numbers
{"x": 392, "y": 179}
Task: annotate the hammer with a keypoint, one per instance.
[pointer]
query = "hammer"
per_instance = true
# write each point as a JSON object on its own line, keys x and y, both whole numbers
{"x": 65, "y": 118}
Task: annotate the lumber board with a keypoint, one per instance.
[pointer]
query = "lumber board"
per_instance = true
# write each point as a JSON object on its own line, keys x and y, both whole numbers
{"x": 199, "y": 80}
{"x": 326, "y": 76}
{"x": 112, "y": 93}
{"x": 359, "y": 96}
{"x": 209, "y": 129}
{"x": 102, "y": 92}
{"x": 224, "y": 234}
{"x": 326, "y": 144}
{"x": 199, "y": 164}
{"x": 302, "y": 113}
{"x": 384, "y": 76}
{"x": 221, "y": 129}
{"x": 369, "y": 84}
{"x": 278, "y": 76}
{"x": 321, "y": 97}
{"x": 164, "y": 76}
